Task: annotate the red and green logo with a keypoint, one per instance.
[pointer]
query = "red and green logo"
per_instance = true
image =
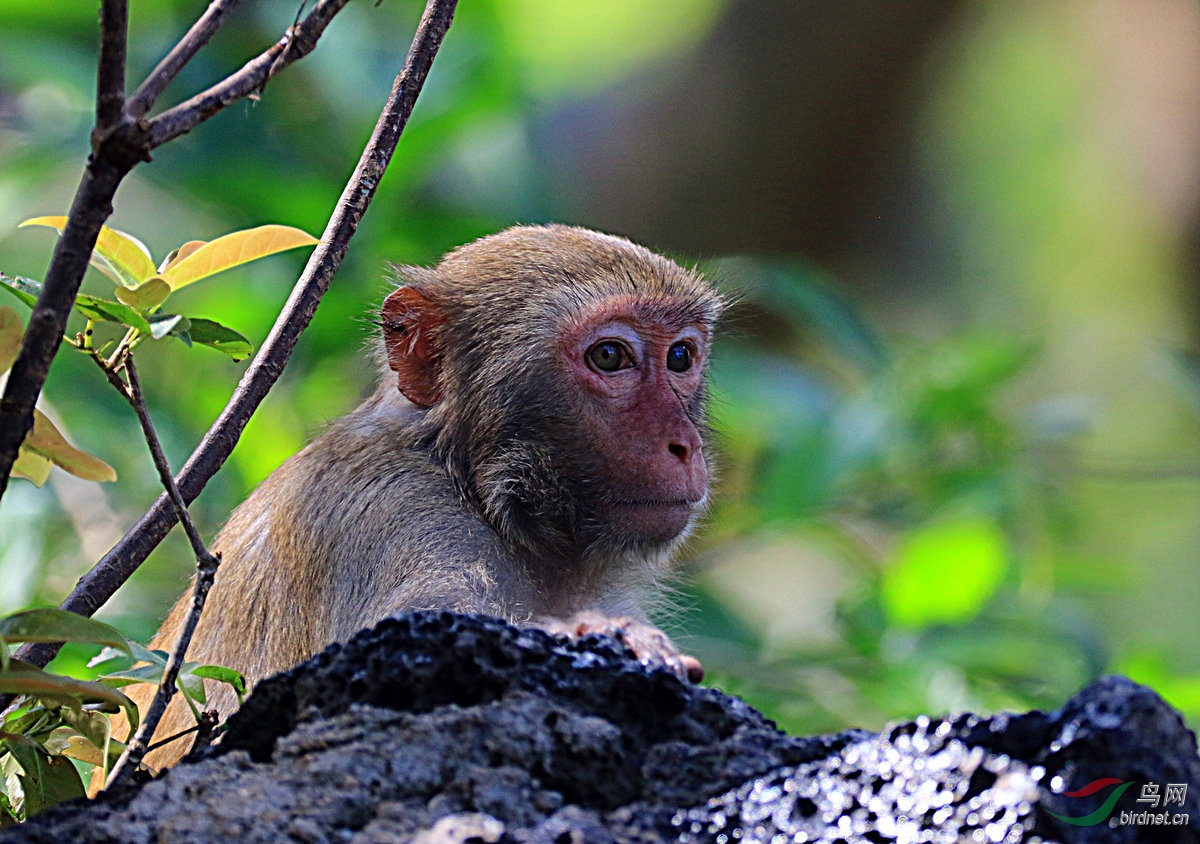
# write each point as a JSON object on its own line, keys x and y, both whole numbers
{"x": 1091, "y": 788}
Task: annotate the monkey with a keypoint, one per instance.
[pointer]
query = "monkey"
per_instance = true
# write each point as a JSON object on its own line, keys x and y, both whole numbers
{"x": 537, "y": 449}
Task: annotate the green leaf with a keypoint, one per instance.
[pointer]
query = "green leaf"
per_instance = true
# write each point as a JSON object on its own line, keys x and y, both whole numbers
{"x": 222, "y": 674}
{"x": 154, "y": 657}
{"x": 128, "y": 676}
{"x": 25, "y": 289}
{"x": 216, "y": 336}
{"x": 53, "y": 625}
{"x": 233, "y": 249}
{"x": 21, "y": 678}
{"x": 96, "y": 308}
{"x": 943, "y": 572}
{"x": 120, "y": 256}
{"x": 139, "y": 652}
{"x": 192, "y": 685}
{"x": 8, "y": 815}
{"x": 45, "y": 780}
{"x": 145, "y": 296}
{"x": 163, "y": 325}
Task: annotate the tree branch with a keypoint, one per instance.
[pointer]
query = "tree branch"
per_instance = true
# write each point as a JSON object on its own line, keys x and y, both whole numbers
{"x": 110, "y": 78}
{"x": 296, "y": 43}
{"x": 119, "y": 143}
{"x": 43, "y": 335}
{"x": 99, "y": 584}
{"x": 166, "y": 71}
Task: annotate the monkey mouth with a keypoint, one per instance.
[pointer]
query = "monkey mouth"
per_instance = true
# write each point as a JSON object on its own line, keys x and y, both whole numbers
{"x": 657, "y": 503}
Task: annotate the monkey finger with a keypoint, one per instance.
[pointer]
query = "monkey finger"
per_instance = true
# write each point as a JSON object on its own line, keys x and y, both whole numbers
{"x": 651, "y": 645}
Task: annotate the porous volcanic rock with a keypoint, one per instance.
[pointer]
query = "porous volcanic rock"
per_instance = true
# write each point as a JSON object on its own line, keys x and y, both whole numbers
{"x": 435, "y": 728}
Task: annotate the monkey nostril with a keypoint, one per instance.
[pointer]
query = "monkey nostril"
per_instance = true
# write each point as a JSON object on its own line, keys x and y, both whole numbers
{"x": 679, "y": 450}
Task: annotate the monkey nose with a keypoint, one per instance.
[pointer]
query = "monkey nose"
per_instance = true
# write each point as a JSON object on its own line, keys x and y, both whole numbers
{"x": 683, "y": 452}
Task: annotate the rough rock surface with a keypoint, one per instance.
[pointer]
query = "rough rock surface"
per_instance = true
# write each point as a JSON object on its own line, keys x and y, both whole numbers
{"x": 435, "y": 728}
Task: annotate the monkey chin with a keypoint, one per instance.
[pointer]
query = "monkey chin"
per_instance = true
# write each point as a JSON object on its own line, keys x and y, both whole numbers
{"x": 654, "y": 522}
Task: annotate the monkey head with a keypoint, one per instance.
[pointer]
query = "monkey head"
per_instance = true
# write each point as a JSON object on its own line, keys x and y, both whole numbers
{"x": 561, "y": 373}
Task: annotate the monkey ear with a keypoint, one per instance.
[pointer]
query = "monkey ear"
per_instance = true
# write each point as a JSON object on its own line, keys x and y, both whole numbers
{"x": 409, "y": 321}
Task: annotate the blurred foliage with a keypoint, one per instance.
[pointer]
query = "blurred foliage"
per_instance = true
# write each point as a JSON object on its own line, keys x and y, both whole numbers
{"x": 935, "y": 509}
{"x": 57, "y": 728}
{"x": 905, "y": 521}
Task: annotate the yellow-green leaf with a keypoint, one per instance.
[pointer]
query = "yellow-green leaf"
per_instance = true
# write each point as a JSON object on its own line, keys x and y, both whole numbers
{"x": 11, "y": 331}
{"x": 96, "y": 727}
{"x": 125, "y": 259}
{"x": 77, "y": 747}
{"x": 944, "y": 572}
{"x": 145, "y": 296}
{"x": 234, "y": 249}
{"x": 46, "y": 441}
{"x": 32, "y": 467}
{"x": 179, "y": 254}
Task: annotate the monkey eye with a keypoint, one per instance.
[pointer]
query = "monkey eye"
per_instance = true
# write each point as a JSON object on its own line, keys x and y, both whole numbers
{"x": 679, "y": 358}
{"x": 609, "y": 356}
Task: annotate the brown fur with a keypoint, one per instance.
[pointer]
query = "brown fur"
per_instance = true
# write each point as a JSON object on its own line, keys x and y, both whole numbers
{"x": 493, "y": 490}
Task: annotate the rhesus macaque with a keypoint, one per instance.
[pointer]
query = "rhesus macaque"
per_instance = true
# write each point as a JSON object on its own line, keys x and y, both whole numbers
{"x": 536, "y": 450}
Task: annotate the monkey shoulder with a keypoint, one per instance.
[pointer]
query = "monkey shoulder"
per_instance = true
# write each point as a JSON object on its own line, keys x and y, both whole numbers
{"x": 391, "y": 525}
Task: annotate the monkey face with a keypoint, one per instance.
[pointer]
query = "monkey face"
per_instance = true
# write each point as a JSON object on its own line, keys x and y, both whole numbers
{"x": 637, "y": 372}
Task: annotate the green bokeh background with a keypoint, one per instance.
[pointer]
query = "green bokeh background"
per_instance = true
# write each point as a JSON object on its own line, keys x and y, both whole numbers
{"x": 959, "y": 423}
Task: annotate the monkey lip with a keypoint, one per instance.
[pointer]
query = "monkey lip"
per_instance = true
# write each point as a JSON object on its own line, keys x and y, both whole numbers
{"x": 657, "y": 503}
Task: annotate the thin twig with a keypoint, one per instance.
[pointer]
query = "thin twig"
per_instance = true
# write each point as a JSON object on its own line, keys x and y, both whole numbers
{"x": 296, "y": 43}
{"x": 166, "y": 71}
{"x": 137, "y": 747}
{"x": 99, "y": 584}
{"x": 160, "y": 463}
{"x": 110, "y": 78}
{"x": 206, "y": 570}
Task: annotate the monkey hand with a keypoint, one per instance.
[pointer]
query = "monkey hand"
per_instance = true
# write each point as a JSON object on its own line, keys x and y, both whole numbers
{"x": 651, "y": 645}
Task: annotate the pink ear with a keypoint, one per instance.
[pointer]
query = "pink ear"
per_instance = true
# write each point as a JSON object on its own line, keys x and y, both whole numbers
{"x": 409, "y": 320}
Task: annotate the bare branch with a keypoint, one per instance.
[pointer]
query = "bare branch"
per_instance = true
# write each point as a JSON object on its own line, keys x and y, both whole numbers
{"x": 296, "y": 43}
{"x": 182, "y": 53}
{"x": 160, "y": 463}
{"x": 110, "y": 79}
{"x": 206, "y": 570}
{"x": 99, "y": 584}
{"x": 137, "y": 746}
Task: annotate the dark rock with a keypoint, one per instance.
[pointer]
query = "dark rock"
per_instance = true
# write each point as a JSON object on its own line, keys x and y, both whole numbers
{"x": 442, "y": 728}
